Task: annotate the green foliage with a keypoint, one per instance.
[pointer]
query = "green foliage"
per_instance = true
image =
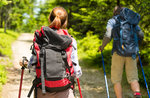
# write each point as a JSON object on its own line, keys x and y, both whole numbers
{"x": 4, "y": 62}
{"x": 75, "y": 34}
{"x": 38, "y": 19}
{"x": 31, "y": 25}
{"x": 6, "y": 40}
{"x": 4, "y": 2}
{"x": 145, "y": 57}
{"x": 12, "y": 14}
{"x": 88, "y": 46}
{"x": 141, "y": 78}
{"x": 2, "y": 76}
{"x": 88, "y": 51}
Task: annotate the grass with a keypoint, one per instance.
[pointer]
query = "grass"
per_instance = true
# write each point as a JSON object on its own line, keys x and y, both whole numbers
{"x": 2, "y": 75}
{"x": 6, "y": 40}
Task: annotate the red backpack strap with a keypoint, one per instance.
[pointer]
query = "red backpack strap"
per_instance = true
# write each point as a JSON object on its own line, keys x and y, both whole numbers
{"x": 65, "y": 32}
{"x": 42, "y": 31}
{"x": 38, "y": 34}
{"x": 37, "y": 42}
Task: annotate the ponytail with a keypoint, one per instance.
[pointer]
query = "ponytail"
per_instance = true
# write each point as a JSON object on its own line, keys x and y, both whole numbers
{"x": 58, "y": 18}
{"x": 56, "y": 23}
{"x": 65, "y": 23}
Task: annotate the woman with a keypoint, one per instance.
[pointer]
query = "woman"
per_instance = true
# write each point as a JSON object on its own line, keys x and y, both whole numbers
{"x": 58, "y": 20}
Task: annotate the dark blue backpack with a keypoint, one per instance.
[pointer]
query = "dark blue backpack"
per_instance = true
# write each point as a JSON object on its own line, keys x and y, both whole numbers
{"x": 124, "y": 33}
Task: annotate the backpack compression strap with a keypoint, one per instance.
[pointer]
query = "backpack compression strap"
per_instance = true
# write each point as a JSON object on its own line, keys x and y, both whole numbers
{"x": 42, "y": 70}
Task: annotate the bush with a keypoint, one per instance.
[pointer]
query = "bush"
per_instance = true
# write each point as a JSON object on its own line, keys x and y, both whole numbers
{"x": 5, "y": 41}
{"x": 2, "y": 76}
{"x": 146, "y": 67}
{"x": 88, "y": 52}
{"x": 145, "y": 58}
{"x": 147, "y": 73}
{"x": 88, "y": 47}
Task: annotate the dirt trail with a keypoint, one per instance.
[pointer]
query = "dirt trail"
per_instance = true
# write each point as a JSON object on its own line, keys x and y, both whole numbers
{"x": 92, "y": 81}
{"x": 20, "y": 48}
{"x": 93, "y": 85}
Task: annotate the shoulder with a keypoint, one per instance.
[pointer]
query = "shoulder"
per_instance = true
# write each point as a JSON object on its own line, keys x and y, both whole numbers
{"x": 111, "y": 22}
{"x": 74, "y": 41}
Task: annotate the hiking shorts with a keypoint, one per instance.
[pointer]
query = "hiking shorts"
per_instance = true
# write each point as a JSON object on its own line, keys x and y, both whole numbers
{"x": 118, "y": 64}
{"x": 63, "y": 94}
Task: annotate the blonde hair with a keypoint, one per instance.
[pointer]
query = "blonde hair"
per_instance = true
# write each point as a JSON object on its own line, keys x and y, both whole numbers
{"x": 58, "y": 18}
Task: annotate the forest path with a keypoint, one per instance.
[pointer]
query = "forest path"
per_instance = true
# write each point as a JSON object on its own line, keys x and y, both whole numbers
{"x": 92, "y": 81}
{"x": 20, "y": 48}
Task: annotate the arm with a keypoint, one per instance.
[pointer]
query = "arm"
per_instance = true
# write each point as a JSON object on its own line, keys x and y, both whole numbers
{"x": 32, "y": 61}
{"x": 139, "y": 33}
{"x": 107, "y": 36}
{"x": 74, "y": 58}
{"x": 104, "y": 43}
{"x": 33, "y": 58}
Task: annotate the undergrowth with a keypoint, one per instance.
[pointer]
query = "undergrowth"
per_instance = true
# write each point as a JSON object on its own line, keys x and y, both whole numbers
{"x": 6, "y": 40}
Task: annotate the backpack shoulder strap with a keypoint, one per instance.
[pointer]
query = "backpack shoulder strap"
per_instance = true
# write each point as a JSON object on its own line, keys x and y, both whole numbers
{"x": 117, "y": 19}
{"x": 136, "y": 36}
{"x": 118, "y": 25}
{"x": 38, "y": 35}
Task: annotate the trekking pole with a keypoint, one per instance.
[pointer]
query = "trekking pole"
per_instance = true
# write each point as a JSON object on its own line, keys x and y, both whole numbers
{"x": 105, "y": 76}
{"x": 79, "y": 87}
{"x": 23, "y": 67}
{"x": 144, "y": 75}
{"x": 21, "y": 82}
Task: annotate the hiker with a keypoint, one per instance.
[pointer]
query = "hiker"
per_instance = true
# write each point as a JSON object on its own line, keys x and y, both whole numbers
{"x": 54, "y": 40}
{"x": 124, "y": 30}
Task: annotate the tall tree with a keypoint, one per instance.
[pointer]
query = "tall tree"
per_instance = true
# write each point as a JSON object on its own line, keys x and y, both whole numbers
{"x": 12, "y": 13}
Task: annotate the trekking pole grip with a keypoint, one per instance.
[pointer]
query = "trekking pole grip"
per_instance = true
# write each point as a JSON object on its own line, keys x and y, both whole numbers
{"x": 23, "y": 62}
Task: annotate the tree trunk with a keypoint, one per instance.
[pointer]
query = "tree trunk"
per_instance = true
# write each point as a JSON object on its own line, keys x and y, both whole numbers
{"x": 69, "y": 17}
{"x": 7, "y": 12}
{"x": 118, "y": 2}
{"x": 1, "y": 17}
{"x": 1, "y": 23}
{"x": 5, "y": 24}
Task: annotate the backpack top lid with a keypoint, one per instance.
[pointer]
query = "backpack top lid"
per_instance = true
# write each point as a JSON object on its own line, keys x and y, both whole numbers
{"x": 60, "y": 41}
{"x": 130, "y": 16}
